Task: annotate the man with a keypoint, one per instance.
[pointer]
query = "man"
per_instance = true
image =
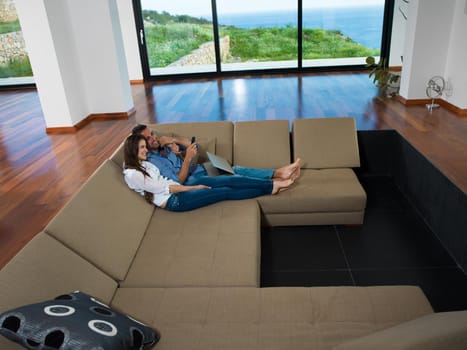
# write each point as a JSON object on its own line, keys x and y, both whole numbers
{"x": 164, "y": 152}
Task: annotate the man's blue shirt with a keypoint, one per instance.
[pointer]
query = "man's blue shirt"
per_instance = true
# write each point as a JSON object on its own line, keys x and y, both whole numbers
{"x": 170, "y": 165}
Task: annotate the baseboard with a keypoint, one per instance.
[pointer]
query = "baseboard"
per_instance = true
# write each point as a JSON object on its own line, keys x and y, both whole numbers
{"x": 413, "y": 102}
{"x": 452, "y": 108}
{"x": 137, "y": 81}
{"x": 395, "y": 68}
{"x": 449, "y": 106}
{"x": 87, "y": 120}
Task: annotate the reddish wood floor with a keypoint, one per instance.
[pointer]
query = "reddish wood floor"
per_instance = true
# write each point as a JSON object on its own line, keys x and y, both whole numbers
{"x": 39, "y": 172}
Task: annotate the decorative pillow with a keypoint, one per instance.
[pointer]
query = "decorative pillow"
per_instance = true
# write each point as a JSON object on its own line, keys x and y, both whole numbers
{"x": 75, "y": 321}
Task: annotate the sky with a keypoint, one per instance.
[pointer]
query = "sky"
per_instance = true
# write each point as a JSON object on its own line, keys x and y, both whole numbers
{"x": 203, "y": 7}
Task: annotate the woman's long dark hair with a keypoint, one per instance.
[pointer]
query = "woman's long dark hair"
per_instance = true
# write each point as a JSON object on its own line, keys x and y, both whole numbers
{"x": 130, "y": 155}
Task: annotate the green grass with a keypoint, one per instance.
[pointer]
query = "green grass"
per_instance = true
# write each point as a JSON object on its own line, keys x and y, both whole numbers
{"x": 8, "y": 27}
{"x": 319, "y": 43}
{"x": 169, "y": 42}
{"x": 262, "y": 44}
{"x": 16, "y": 68}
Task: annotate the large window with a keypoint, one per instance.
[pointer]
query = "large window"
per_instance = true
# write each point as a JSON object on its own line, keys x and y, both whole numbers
{"x": 207, "y": 36}
{"x": 261, "y": 34}
{"x": 177, "y": 39}
{"x": 341, "y": 32}
{"x": 14, "y": 62}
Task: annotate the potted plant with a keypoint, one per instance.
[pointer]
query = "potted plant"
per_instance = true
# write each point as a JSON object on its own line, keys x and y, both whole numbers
{"x": 383, "y": 78}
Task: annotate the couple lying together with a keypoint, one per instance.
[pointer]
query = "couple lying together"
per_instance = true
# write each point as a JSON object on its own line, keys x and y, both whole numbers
{"x": 153, "y": 167}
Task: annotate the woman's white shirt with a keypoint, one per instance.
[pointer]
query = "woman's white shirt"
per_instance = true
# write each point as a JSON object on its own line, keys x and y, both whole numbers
{"x": 156, "y": 183}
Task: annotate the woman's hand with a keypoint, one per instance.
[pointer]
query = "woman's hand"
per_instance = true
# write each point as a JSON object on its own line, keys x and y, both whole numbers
{"x": 183, "y": 188}
{"x": 198, "y": 187}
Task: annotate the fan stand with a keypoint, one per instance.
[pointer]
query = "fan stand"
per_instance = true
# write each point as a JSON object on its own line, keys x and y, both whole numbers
{"x": 432, "y": 105}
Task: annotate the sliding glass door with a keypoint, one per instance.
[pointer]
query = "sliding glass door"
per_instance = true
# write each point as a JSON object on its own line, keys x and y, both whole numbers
{"x": 341, "y": 33}
{"x": 15, "y": 68}
{"x": 214, "y": 36}
{"x": 261, "y": 34}
{"x": 178, "y": 36}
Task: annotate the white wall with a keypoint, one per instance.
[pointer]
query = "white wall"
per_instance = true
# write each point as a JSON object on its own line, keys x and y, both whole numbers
{"x": 130, "y": 39}
{"x": 78, "y": 60}
{"x": 96, "y": 28}
{"x": 426, "y": 48}
{"x": 456, "y": 73}
{"x": 398, "y": 34}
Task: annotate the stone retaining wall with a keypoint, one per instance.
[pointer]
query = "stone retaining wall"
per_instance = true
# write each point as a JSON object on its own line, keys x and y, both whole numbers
{"x": 12, "y": 47}
{"x": 205, "y": 54}
{"x": 7, "y": 11}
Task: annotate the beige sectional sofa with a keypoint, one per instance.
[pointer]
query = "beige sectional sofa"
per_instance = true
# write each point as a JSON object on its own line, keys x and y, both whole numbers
{"x": 195, "y": 275}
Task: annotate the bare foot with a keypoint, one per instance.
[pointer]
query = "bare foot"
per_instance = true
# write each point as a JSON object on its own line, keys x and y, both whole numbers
{"x": 281, "y": 185}
{"x": 296, "y": 174}
{"x": 287, "y": 171}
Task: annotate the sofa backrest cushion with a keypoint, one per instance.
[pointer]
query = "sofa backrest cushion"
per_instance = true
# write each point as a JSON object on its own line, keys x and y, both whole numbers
{"x": 45, "y": 268}
{"x": 326, "y": 143}
{"x": 104, "y": 222}
{"x": 117, "y": 156}
{"x": 438, "y": 331}
{"x": 262, "y": 144}
{"x": 205, "y": 132}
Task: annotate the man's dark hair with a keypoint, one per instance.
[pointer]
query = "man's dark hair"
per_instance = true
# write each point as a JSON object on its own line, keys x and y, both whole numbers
{"x": 138, "y": 129}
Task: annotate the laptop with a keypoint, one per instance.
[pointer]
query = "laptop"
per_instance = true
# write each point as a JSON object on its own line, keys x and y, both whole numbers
{"x": 217, "y": 165}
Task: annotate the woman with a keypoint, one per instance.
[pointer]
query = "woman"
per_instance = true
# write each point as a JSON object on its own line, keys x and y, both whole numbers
{"x": 145, "y": 178}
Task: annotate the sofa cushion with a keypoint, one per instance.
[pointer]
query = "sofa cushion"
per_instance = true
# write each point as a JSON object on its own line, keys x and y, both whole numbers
{"x": 204, "y": 145}
{"x": 221, "y": 131}
{"x": 269, "y": 318}
{"x": 218, "y": 245}
{"x": 438, "y": 331}
{"x": 104, "y": 222}
{"x": 316, "y": 191}
{"x": 45, "y": 268}
{"x": 75, "y": 321}
{"x": 326, "y": 143}
{"x": 117, "y": 155}
{"x": 262, "y": 144}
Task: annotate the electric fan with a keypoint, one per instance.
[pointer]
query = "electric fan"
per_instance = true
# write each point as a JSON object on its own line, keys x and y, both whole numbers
{"x": 434, "y": 90}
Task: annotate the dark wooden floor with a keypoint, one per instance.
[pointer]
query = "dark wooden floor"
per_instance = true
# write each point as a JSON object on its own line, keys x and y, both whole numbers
{"x": 39, "y": 172}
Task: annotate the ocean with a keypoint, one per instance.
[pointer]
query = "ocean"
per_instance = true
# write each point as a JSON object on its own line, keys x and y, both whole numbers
{"x": 363, "y": 24}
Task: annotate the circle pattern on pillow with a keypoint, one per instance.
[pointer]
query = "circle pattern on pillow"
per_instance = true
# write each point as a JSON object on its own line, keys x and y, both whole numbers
{"x": 59, "y": 310}
{"x": 75, "y": 321}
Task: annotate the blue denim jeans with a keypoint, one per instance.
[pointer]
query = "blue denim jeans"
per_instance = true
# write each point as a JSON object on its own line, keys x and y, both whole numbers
{"x": 256, "y": 173}
{"x": 253, "y": 172}
{"x": 223, "y": 187}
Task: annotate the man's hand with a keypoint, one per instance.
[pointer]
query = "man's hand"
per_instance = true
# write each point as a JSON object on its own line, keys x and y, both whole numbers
{"x": 166, "y": 140}
{"x": 174, "y": 143}
{"x": 191, "y": 152}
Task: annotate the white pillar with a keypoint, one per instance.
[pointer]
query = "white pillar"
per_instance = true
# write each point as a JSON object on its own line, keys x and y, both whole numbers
{"x": 428, "y": 30}
{"x": 77, "y": 56}
{"x": 456, "y": 74}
